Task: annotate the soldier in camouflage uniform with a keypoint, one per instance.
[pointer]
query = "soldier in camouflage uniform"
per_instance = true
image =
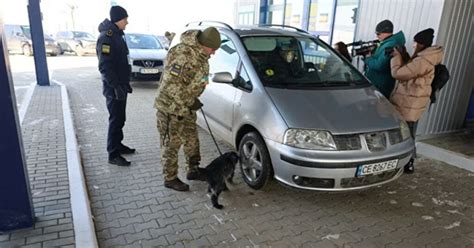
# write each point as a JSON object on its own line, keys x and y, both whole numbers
{"x": 183, "y": 81}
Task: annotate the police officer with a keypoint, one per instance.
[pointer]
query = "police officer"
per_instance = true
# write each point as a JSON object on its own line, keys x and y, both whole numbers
{"x": 183, "y": 81}
{"x": 112, "y": 52}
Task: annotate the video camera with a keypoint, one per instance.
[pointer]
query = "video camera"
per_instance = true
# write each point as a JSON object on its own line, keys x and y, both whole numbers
{"x": 362, "y": 48}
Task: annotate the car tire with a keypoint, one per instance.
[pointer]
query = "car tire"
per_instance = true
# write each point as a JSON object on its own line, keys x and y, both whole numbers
{"x": 27, "y": 50}
{"x": 255, "y": 163}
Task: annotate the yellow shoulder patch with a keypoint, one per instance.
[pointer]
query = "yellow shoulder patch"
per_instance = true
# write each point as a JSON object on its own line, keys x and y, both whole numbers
{"x": 110, "y": 32}
{"x": 105, "y": 49}
{"x": 175, "y": 70}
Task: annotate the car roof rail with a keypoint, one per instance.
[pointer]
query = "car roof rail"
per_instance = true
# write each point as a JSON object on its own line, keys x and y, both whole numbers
{"x": 283, "y": 26}
{"x": 207, "y": 23}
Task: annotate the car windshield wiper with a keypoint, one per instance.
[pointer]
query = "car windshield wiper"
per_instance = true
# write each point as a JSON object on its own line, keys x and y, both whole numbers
{"x": 339, "y": 83}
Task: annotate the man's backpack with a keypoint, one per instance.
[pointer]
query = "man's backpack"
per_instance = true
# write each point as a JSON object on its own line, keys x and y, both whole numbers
{"x": 440, "y": 79}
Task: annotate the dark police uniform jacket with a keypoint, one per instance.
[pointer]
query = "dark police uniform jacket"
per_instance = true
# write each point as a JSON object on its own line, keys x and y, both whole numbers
{"x": 112, "y": 52}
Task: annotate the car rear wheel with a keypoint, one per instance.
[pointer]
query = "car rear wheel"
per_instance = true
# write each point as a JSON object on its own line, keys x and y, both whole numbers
{"x": 27, "y": 50}
{"x": 255, "y": 163}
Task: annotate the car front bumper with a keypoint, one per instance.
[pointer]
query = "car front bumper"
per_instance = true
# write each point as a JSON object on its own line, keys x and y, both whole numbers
{"x": 334, "y": 170}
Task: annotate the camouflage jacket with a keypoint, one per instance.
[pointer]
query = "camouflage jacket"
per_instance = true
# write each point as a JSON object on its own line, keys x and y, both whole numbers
{"x": 185, "y": 76}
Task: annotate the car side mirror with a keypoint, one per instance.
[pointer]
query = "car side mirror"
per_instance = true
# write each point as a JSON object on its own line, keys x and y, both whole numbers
{"x": 19, "y": 34}
{"x": 222, "y": 77}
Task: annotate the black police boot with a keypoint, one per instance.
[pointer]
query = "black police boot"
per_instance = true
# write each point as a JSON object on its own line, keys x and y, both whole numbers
{"x": 119, "y": 160}
{"x": 177, "y": 185}
{"x": 195, "y": 175}
{"x": 410, "y": 167}
{"x": 126, "y": 150}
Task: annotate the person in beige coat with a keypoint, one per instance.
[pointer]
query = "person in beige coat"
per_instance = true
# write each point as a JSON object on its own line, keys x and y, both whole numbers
{"x": 411, "y": 95}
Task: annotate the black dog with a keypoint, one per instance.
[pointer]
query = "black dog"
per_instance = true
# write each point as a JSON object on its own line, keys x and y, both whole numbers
{"x": 217, "y": 173}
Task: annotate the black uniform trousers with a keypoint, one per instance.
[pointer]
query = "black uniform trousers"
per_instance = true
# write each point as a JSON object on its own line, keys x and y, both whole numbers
{"x": 116, "y": 110}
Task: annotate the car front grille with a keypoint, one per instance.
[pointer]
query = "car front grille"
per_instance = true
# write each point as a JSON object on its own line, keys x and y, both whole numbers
{"x": 376, "y": 141}
{"x": 148, "y": 63}
{"x": 368, "y": 180}
{"x": 347, "y": 142}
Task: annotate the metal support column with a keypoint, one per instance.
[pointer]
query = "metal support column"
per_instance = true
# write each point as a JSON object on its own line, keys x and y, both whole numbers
{"x": 306, "y": 10}
{"x": 263, "y": 12}
{"x": 37, "y": 37}
{"x": 16, "y": 210}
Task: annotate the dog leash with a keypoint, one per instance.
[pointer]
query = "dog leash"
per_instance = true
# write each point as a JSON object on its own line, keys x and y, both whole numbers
{"x": 210, "y": 132}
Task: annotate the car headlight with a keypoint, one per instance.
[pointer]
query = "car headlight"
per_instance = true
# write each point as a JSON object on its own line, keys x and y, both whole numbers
{"x": 309, "y": 139}
{"x": 405, "y": 130}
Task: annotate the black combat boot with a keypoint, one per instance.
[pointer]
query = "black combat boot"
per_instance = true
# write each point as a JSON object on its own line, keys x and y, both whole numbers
{"x": 410, "y": 167}
{"x": 195, "y": 175}
{"x": 126, "y": 150}
{"x": 177, "y": 185}
{"x": 119, "y": 160}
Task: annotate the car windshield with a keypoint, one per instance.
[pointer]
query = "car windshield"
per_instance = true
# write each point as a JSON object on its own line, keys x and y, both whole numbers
{"x": 83, "y": 35}
{"x": 142, "y": 41}
{"x": 299, "y": 62}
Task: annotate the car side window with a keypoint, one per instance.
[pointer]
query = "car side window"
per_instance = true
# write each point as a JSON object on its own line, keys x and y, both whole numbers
{"x": 244, "y": 78}
{"x": 226, "y": 58}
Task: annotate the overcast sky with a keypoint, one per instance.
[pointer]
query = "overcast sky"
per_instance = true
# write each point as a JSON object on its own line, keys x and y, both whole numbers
{"x": 150, "y": 16}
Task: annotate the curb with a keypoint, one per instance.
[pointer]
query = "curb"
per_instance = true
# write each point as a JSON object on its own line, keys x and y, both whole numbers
{"x": 453, "y": 158}
{"x": 83, "y": 223}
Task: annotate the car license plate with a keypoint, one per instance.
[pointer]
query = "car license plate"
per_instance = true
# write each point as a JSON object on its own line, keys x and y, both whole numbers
{"x": 376, "y": 168}
{"x": 149, "y": 71}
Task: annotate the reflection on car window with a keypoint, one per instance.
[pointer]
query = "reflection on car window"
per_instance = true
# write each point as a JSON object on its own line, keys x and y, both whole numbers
{"x": 225, "y": 59}
{"x": 142, "y": 41}
{"x": 295, "y": 61}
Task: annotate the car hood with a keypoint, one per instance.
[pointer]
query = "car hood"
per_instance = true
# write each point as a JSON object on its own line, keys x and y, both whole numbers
{"x": 147, "y": 54}
{"x": 341, "y": 111}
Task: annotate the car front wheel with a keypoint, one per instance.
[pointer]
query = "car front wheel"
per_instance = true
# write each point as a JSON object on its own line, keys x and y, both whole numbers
{"x": 255, "y": 161}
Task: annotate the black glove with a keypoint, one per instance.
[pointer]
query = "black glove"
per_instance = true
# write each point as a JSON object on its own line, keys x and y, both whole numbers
{"x": 129, "y": 89}
{"x": 196, "y": 105}
{"x": 120, "y": 93}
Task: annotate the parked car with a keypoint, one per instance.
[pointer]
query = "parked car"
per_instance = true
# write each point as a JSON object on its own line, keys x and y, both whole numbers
{"x": 19, "y": 41}
{"x": 146, "y": 55}
{"x": 310, "y": 120}
{"x": 78, "y": 42}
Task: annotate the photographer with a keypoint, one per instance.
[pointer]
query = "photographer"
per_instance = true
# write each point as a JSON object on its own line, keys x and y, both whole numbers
{"x": 411, "y": 95}
{"x": 377, "y": 65}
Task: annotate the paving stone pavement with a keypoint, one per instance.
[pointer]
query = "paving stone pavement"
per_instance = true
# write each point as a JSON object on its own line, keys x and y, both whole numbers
{"x": 45, "y": 153}
{"x": 432, "y": 208}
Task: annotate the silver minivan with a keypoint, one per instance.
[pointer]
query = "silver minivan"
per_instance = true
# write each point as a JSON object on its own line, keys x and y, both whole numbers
{"x": 298, "y": 112}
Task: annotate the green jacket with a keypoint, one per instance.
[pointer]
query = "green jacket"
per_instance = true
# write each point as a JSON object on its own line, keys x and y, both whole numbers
{"x": 377, "y": 66}
{"x": 184, "y": 77}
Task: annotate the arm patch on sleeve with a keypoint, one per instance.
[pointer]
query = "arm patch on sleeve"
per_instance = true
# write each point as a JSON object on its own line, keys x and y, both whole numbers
{"x": 175, "y": 70}
{"x": 105, "y": 49}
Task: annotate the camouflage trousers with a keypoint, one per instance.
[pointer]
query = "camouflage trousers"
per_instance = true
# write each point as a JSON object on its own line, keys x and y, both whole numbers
{"x": 174, "y": 132}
